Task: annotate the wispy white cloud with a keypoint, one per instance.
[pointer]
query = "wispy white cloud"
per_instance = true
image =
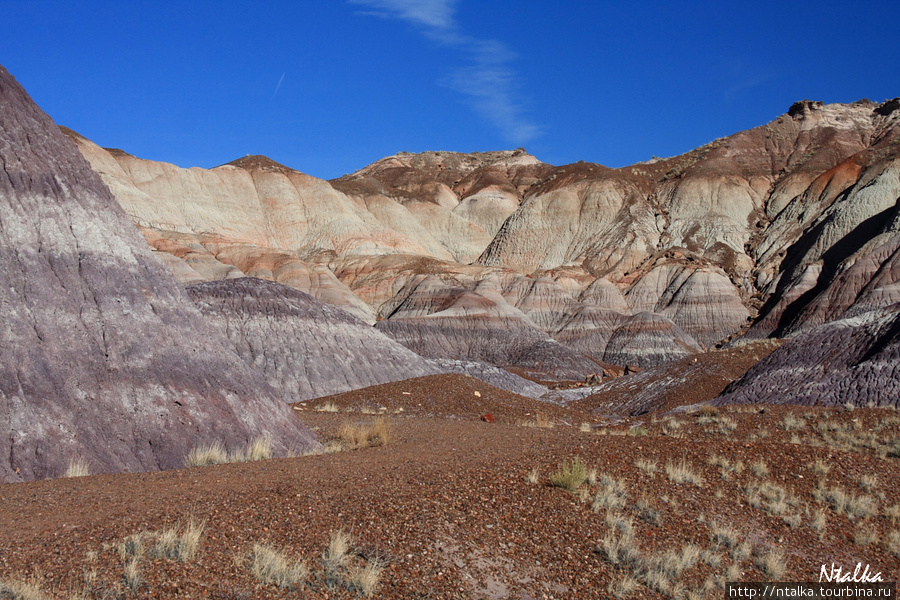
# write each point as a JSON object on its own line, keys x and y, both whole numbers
{"x": 437, "y": 14}
{"x": 278, "y": 87}
{"x": 489, "y": 81}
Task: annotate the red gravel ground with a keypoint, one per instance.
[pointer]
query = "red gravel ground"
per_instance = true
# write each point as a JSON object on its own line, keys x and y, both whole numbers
{"x": 449, "y": 512}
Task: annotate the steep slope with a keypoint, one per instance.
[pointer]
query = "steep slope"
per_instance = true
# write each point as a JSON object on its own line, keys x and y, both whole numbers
{"x": 304, "y": 347}
{"x": 101, "y": 354}
{"x": 855, "y": 360}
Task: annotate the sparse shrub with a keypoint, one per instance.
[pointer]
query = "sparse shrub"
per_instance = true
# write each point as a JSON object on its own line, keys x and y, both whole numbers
{"x": 791, "y": 422}
{"x": 611, "y": 494}
{"x": 337, "y": 553}
{"x": 365, "y": 579}
{"x": 378, "y": 433}
{"x": 868, "y": 482}
{"x": 741, "y": 552}
{"x": 206, "y": 455}
{"x": 846, "y": 503}
{"x": 78, "y": 467}
{"x": 820, "y": 467}
{"x": 893, "y": 513}
{"x": 259, "y": 449}
{"x": 17, "y": 590}
{"x": 131, "y": 574}
{"x": 647, "y": 466}
{"x": 682, "y": 472}
{"x": 864, "y": 536}
{"x": 772, "y": 563}
{"x": 819, "y": 522}
{"x": 179, "y": 545}
{"x": 723, "y": 535}
{"x": 893, "y": 543}
{"x": 760, "y": 469}
{"x": 541, "y": 420}
{"x": 569, "y": 475}
{"x": 271, "y": 566}
{"x": 647, "y": 513}
{"x": 622, "y": 587}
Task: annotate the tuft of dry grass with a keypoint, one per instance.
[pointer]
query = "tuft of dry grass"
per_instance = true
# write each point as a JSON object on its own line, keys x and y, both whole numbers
{"x": 337, "y": 553}
{"x": 569, "y": 475}
{"x": 585, "y": 427}
{"x": 892, "y": 543}
{"x": 622, "y": 587}
{"x": 772, "y": 563}
{"x": 329, "y": 407}
{"x": 259, "y": 449}
{"x": 378, "y": 433}
{"x": 273, "y": 567}
{"x": 647, "y": 466}
{"x": 541, "y": 420}
{"x": 792, "y": 422}
{"x": 820, "y": 467}
{"x": 131, "y": 574}
{"x": 534, "y": 476}
{"x": 611, "y": 494}
{"x": 178, "y": 544}
{"x": 78, "y": 467}
{"x": 18, "y": 590}
{"x": 760, "y": 469}
{"x": 724, "y": 535}
{"x": 365, "y": 579}
{"x": 682, "y": 472}
{"x": 206, "y": 455}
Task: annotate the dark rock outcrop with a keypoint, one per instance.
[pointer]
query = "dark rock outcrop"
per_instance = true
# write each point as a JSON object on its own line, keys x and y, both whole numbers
{"x": 102, "y": 356}
{"x": 304, "y": 347}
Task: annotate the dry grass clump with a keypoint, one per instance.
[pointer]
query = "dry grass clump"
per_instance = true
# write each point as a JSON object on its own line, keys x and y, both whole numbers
{"x": 682, "y": 472}
{"x": 893, "y": 543}
{"x": 585, "y": 427}
{"x": 724, "y": 535}
{"x": 541, "y": 420}
{"x": 78, "y": 467}
{"x": 726, "y": 468}
{"x": 180, "y": 544}
{"x": 773, "y": 499}
{"x": 622, "y": 587}
{"x": 864, "y": 536}
{"x": 868, "y": 482}
{"x": 339, "y": 572}
{"x": 534, "y": 476}
{"x": 206, "y": 455}
{"x": 771, "y": 563}
{"x": 259, "y": 448}
{"x": 760, "y": 469}
{"x": 820, "y": 467}
{"x": 329, "y": 407}
{"x": 818, "y": 522}
{"x": 611, "y": 494}
{"x": 791, "y": 422}
{"x": 844, "y": 502}
{"x": 378, "y": 433}
{"x": 645, "y": 510}
{"x": 18, "y": 590}
{"x": 647, "y": 466}
{"x": 273, "y": 567}
{"x": 569, "y": 475}
{"x": 131, "y": 574}
{"x": 365, "y": 579}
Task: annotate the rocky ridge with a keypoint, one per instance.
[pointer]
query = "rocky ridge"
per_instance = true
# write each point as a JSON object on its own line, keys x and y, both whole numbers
{"x": 774, "y": 229}
{"x": 102, "y": 356}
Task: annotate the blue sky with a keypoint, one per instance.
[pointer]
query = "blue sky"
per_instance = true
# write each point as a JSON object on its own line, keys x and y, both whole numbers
{"x": 328, "y": 86}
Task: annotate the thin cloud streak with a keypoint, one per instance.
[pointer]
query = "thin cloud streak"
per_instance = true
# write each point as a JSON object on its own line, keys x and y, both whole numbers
{"x": 278, "y": 87}
{"x": 489, "y": 83}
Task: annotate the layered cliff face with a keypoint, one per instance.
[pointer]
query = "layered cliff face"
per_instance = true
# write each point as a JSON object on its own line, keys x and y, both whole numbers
{"x": 854, "y": 360}
{"x": 306, "y": 348}
{"x": 102, "y": 356}
{"x": 781, "y": 227}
